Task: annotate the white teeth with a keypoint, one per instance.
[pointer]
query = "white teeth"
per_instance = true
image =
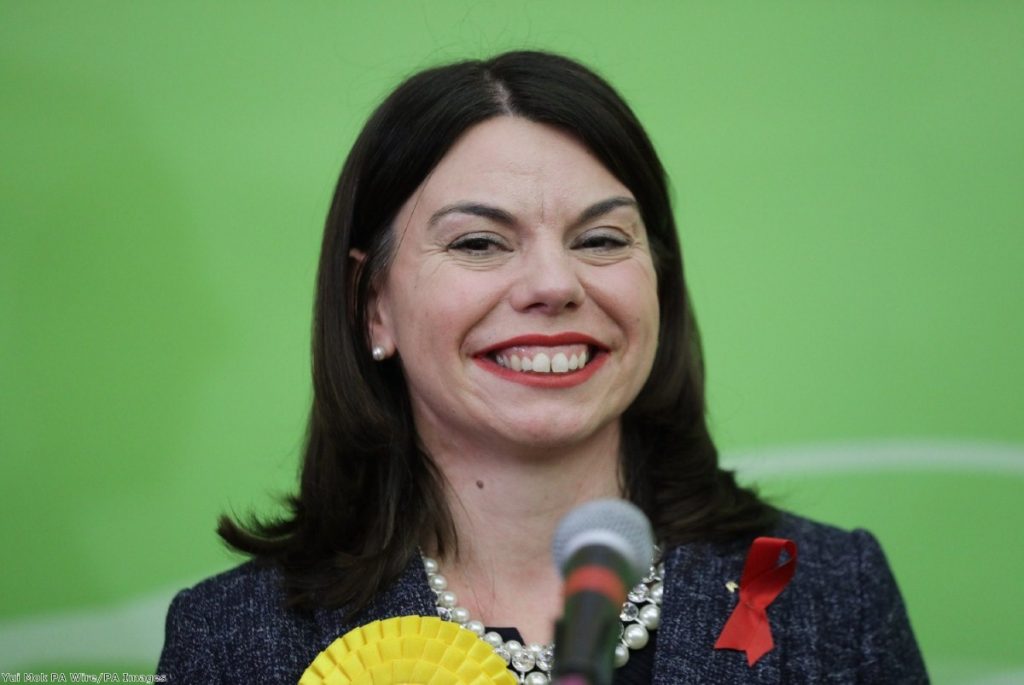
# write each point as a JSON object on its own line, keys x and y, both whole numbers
{"x": 543, "y": 362}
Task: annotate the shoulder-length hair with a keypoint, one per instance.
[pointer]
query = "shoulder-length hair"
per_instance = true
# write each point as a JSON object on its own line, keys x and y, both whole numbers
{"x": 369, "y": 495}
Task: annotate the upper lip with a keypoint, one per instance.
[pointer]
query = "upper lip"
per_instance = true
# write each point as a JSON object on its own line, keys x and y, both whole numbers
{"x": 543, "y": 340}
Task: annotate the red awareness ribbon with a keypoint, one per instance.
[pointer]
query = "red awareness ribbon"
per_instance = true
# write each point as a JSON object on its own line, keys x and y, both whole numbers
{"x": 747, "y": 629}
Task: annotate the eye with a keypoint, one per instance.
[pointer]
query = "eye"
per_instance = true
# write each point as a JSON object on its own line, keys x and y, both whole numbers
{"x": 602, "y": 240}
{"x": 479, "y": 244}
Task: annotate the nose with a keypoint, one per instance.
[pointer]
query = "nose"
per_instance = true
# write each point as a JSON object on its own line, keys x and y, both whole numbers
{"x": 548, "y": 280}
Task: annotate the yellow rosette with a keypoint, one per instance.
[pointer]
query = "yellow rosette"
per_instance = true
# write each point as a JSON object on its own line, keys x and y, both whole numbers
{"x": 408, "y": 650}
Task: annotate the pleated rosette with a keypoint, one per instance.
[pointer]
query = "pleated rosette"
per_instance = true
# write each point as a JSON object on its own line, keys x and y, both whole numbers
{"x": 408, "y": 650}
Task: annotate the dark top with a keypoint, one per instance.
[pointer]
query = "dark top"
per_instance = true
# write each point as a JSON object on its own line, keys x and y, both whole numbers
{"x": 840, "y": 620}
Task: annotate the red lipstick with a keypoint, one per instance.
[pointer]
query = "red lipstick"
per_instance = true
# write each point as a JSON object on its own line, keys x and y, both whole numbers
{"x": 541, "y": 340}
{"x": 598, "y": 356}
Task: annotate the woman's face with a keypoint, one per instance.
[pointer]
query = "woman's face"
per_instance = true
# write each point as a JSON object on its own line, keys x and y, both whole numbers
{"x": 522, "y": 298}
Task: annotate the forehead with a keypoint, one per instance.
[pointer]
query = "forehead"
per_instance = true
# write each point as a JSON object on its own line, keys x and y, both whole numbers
{"x": 520, "y": 164}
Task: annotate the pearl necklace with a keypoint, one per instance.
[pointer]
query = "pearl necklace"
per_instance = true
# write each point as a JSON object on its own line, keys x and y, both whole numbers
{"x": 641, "y": 613}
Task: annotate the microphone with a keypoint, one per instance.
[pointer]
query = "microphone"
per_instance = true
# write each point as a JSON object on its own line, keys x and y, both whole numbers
{"x": 603, "y": 548}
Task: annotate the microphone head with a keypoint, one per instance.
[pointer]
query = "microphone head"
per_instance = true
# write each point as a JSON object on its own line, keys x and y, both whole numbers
{"x": 613, "y": 523}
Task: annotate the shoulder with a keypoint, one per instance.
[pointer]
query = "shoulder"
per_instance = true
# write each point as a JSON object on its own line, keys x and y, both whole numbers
{"x": 232, "y": 601}
{"x": 825, "y": 550}
{"x": 245, "y": 588}
{"x": 828, "y": 557}
{"x": 236, "y": 625}
{"x": 843, "y": 580}
{"x": 849, "y": 566}
{"x": 846, "y": 569}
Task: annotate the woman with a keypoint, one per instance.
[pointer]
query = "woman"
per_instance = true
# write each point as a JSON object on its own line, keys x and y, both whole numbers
{"x": 503, "y": 332}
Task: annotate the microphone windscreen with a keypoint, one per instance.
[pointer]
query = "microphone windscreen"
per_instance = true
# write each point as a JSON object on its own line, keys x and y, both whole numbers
{"x": 613, "y": 523}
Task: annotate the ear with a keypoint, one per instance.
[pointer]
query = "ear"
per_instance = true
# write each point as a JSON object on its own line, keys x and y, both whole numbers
{"x": 378, "y": 312}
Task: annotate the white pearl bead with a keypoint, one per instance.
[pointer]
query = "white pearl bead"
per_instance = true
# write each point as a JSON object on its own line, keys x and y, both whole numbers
{"x": 523, "y": 661}
{"x": 635, "y": 636}
{"x": 546, "y": 658}
{"x": 536, "y": 678}
{"x": 650, "y": 616}
{"x": 535, "y": 648}
{"x": 447, "y": 599}
{"x": 476, "y": 626}
{"x": 513, "y": 646}
{"x": 657, "y": 590}
{"x": 438, "y": 582}
{"x": 460, "y": 615}
{"x": 429, "y": 565}
{"x": 493, "y": 639}
{"x": 621, "y": 654}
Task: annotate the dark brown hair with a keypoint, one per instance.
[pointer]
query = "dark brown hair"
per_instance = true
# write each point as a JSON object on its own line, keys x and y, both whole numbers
{"x": 368, "y": 495}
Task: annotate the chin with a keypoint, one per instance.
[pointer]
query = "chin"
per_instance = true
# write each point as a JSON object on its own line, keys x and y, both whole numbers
{"x": 544, "y": 433}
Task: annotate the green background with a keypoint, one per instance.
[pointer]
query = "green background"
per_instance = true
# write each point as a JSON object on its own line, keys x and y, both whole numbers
{"x": 848, "y": 180}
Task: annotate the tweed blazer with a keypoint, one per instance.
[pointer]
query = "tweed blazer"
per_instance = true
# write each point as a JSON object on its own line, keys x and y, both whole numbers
{"x": 840, "y": 620}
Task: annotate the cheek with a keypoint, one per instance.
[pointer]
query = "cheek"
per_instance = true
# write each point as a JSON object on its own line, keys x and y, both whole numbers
{"x": 645, "y": 334}
{"x": 633, "y": 292}
{"x": 439, "y": 308}
{"x": 644, "y": 324}
{"x": 648, "y": 299}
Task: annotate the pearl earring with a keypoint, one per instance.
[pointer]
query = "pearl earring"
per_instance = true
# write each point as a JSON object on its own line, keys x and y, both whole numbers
{"x": 378, "y": 353}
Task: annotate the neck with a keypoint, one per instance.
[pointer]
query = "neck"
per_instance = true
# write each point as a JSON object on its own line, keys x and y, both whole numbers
{"x": 505, "y": 506}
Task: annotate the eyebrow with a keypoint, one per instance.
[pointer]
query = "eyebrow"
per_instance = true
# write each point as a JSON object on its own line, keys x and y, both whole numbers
{"x": 473, "y": 209}
{"x": 604, "y": 206}
{"x": 500, "y": 216}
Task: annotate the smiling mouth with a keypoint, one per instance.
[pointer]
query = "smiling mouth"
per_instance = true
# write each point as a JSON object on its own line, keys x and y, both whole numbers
{"x": 544, "y": 360}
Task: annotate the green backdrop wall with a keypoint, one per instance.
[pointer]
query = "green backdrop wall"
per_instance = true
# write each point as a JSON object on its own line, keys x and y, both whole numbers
{"x": 848, "y": 180}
